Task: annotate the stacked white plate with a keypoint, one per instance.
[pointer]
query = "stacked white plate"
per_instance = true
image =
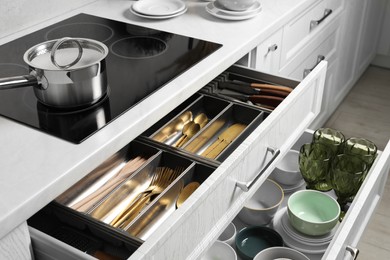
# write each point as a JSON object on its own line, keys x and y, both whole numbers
{"x": 296, "y": 240}
{"x": 158, "y": 9}
{"x": 219, "y": 11}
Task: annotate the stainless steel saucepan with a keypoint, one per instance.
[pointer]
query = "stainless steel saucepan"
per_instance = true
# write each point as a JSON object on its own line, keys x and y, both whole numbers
{"x": 65, "y": 73}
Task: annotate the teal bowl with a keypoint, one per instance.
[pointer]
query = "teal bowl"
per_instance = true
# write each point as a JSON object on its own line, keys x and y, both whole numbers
{"x": 251, "y": 240}
{"x": 312, "y": 212}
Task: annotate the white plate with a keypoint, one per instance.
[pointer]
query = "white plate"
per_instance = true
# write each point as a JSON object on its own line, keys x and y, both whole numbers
{"x": 158, "y": 7}
{"x": 157, "y": 17}
{"x": 292, "y": 242}
{"x": 253, "y": 9}
{"x": 211, "y": 9}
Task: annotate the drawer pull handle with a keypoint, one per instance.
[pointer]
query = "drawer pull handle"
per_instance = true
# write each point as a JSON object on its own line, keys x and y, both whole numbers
{"x": 272, "y": 48}
{"x": 245, "y": 186}
{"x": 307, "y": 71}
{"x": 315, "y": 23}
{"x": 354, "y": 252}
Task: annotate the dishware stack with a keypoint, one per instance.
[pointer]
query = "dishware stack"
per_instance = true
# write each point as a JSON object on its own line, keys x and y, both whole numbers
{"x": 309, "y": 221}
{"x": 234, "y": 9}
{"x": 162, "y": 9}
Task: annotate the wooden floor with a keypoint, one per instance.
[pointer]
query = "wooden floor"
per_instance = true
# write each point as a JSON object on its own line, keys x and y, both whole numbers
{"x": 365, "y": 112}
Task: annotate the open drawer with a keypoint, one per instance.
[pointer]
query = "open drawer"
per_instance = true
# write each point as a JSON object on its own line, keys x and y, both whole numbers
{"x": 346, "y": 235}
{"x": 192, "y": 227}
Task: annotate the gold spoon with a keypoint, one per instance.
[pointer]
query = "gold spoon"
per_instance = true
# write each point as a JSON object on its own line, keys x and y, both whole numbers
{"x": 173, "y": 127}
{"x": 186, "y": 192}
{"x": 201, "y": 119}
{"x": 189, "y": 130}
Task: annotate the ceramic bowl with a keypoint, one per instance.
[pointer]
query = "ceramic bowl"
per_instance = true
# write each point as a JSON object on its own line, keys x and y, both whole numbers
{"x": 220, "y": 250}
{"x": 236, "y": 5}
{"x": 262, "y": 206}
{"x": 312, "y": 212}
{"x": 228, "y": 235}
{"x": 287, "y": 170}
{"x": 273, "y": 253}
{"x": 251, "y": 240}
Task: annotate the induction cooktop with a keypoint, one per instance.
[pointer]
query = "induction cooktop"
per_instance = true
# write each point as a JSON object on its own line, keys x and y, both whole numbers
{"x": 140, "y": 61}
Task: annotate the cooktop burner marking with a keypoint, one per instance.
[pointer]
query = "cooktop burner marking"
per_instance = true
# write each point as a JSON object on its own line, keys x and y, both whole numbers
{"x": 95, "y": 31}
{"x": 138, "y": 47}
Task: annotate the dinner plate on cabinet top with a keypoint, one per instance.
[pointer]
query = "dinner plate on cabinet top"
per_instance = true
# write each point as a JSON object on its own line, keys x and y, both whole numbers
{"x": 158, "y": 7}
{"x": 214, "y": 11}
{"x": 157, "y": 17}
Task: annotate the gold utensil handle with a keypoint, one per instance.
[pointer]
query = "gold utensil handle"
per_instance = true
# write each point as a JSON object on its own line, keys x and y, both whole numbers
{"x": 130, "y": 212}
{"x": 211, "y": 147}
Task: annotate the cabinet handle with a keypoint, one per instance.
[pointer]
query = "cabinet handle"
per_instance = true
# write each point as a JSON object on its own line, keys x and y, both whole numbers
{"x": 315, "y": 23}
{"x": 245, "y": 186}
{"x": 273, "y": 47}
{"x": 354, "y": 252}
{"x": 307, "y": 71}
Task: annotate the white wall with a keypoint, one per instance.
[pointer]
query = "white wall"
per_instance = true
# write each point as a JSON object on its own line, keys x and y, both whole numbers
{"x": 16, "y": 15}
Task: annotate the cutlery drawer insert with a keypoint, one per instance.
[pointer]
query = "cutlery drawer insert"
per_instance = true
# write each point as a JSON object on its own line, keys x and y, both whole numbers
{"x": 93, "y": 229}
{"x": 209, "y": 128}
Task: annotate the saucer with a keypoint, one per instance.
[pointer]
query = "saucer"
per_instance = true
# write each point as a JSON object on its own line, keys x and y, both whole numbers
{"x": 158, "y": 8}
{"x": 222, "y": 13}
{"x": 157, "y": 17}
{"x": 253, "y": 9}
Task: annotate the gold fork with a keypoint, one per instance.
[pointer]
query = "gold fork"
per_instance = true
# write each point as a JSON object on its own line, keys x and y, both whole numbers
{"x": 160, "y": 181}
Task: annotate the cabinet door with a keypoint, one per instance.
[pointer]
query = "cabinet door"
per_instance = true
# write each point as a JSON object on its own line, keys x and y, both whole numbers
{"x": 268, "y": 54}
{"x": 370, "y": 33}
{"x": 361, "y": 210}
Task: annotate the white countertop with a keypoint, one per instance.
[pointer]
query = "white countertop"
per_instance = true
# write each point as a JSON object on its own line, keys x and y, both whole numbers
{"x": 35, "y": 167}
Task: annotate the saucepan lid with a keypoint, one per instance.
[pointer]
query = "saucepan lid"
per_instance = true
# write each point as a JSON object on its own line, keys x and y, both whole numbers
{"x": 66, "y": 54}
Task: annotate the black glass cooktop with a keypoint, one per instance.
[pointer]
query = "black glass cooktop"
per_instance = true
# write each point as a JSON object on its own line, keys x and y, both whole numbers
{"x": 140, "y": 61}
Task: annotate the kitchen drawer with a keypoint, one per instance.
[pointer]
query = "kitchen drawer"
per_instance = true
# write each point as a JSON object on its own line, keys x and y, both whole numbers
{"x": 268, "y": 54}
{"x": 362, "y": 207}
{"x": 348, "y": 233}
{"x": 190, "y": 229}
{"x": 307, "y": 26}
{"x": 323, "y": 47}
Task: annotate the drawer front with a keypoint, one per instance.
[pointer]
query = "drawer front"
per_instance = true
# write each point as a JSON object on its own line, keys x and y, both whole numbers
{"x": 307, "y": 26}
{"x": 194, "y": 226}
{"x": 361, "y": 210}
{"x": 322, "y": 47}
{"x": 268, "y": 54}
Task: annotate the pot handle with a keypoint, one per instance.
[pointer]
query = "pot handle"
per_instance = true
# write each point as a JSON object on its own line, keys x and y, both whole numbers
{"x": 57, "y": 44}
{"x": 18, "y": 81}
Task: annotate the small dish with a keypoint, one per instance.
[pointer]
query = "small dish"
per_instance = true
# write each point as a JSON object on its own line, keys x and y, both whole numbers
{"x": 220, "y": 250}
{"x": 219, "y": 14}
{"x": 158, "y": 8}
{"x": 253, "y": 9}
{"x": 229, "y": 234}
{"x": 292, "y": 242}
{"x": 251, "y": 240}
{"x": 280, "y": 253}
{"x": 260, "y": 209}
{"x": 313, "y": 212}
{"x": 236, "y": 5}
{"x": 287, "y": 170}
{"x": 157, "y": 17}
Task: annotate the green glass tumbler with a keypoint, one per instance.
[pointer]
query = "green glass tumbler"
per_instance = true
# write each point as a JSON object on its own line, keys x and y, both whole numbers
{"x": 347, "y": 174}
{"x": 329, "y": 137}
{"x": 314, "y": 163}
{"x": 362, "y": 148}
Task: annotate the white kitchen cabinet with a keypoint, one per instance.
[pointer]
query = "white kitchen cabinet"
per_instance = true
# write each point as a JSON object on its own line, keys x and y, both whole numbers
{"x": 371, "y": 26}
{"x": 267, "y": 54}
{"x": 17, "y": 244}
